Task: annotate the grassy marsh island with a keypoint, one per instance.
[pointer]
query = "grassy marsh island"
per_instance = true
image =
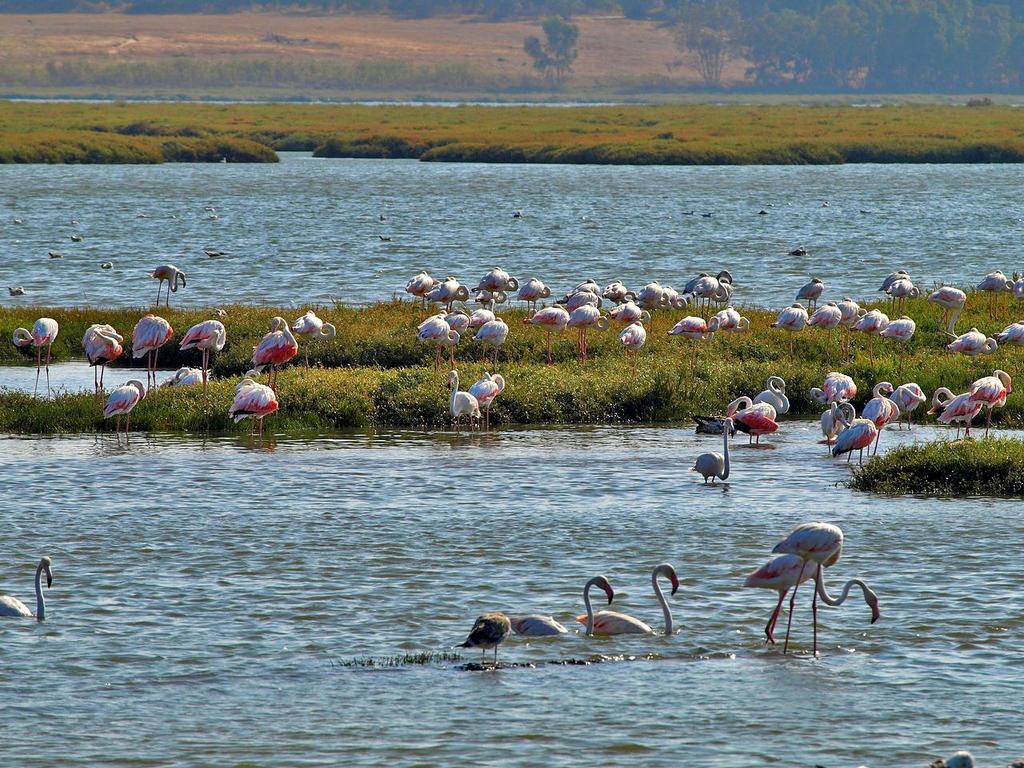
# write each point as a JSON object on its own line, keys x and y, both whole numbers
{"x": 670, "y": 135}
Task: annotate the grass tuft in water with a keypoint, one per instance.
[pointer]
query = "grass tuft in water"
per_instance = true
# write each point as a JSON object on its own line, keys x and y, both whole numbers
{"x": 404, "y": 660}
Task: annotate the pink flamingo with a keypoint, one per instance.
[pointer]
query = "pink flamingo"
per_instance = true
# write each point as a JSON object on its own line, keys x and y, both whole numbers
{"x": 792, "y": 319}
{"x": 958, "y": 408}
{"x": 851, "y": 312}
{"x": 900, "y": 330}
{"x": 899, "y": 291}
{"x": 447, "y": 292}
{"x": 781, "y": 573}
{"x": 121, "y": 401}
{"x": 584, "y": 318}
{"x": 485, "y": 390}
{"x": 811, "y": 292}
{"x": 755, "y": 419}
{"x": 492, "y": 333}
{"x": 617, "y": 293}
{"x": 837, "y": 388}
{"x": 532, "y": 290}
{"x": 274, "y": 350}
{"x": 827, "y": 317}
{"x": 172, "y": 275}
{"x": 633, "y": 337}
{"x": 435, "y": 329}
{"x": 994, "y": 283}
{"x": 992, "y": 391}
{"x": 907, "y": 398}
{"x": 311, "y": 327}
{"x": 822, "y": 544}
{"x": 1012, "y": 334}
{"x": 857, "y": 435}
{"x": 615, "y": 623}
{"x": 497, "y": 280}
{"x": 480, "y": 317}
{"x": 952, "y": 301}
{"x": 253, "y": 401}
{"x": 880, "y": 410}
{"x": 102, "y": 345}
{"x": 44, "y": 333}
{"x": 577, "y": 299}
{"x": 973, "y": 343}
{"x": 420, "y": 286}
{"x": 873, "y": 323}
{"x": 537, "y": 625}
{"x": 628, "y": 313}
{"x": 149, "y": 334}
{"x": 208, "y": 336}
{"x": 553, "y": 319}
{"x": 695, "y": 329}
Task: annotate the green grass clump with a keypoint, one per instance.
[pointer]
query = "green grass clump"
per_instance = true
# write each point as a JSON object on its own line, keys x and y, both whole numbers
{"x": 989, "y": 467}
{"x": 404, "y": 660}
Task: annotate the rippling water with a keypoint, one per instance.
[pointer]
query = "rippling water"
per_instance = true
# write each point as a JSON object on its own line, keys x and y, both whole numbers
{"x": 308, "y": 230}
{"x": 204, "y": 591}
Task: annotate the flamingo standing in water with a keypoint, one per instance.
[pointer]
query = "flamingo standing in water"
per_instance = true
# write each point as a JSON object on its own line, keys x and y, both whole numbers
{"x": 781, "y": 573}
{"x": 172, "y": 275}
{"x": 973, "y": 343}
{"x": 597, "y": 581}
{"x": 880, "y": 410}
{"x": 952, "y": 301}
{"x": 489, "y": 631}
{"x": 552, "y": 319}
{"x": 755, "y": 419}
{"x": 311, "y": 327}
{"x": 102, "y": 345}
{"x": 992, "y": 391}
{"x": 959, "y": 408}
{"x": 695, "y": 329}
{"x": 532, "y": 290}
{"x": 832, "y": 422}
{"x": 13, "y": 607}
{"x": 837, "y": 388}
{"x": 208, "y": 336}
{"x": 485, "y": 390}
{"x": 149, "y": 334}
{"x": 492, "y": 333}
{"x": 584, "y": 318}
{"x": 420, "y": 285}
{"x": 907, "y": 398}
{"x": 857, "y": 435}
{"x": 633, "y": 337}
{"x": 792, "y": 319}
{"x": 537, "y": 625}
{"x": 716, "y": 465}
{"x": 121, "y": 401}
{"x": 462, "y": 403}
{"x": 615, "y": 623}
{"x": 253, "y": 401}
{"x": 44, "y": 333}
{"x": 274, "y": 350}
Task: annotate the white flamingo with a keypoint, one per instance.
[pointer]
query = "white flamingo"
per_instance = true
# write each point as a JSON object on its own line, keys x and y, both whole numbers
{"x": 121, "y": 401}
{"x": 311, "y": 327}
{"x": 907, "y": 398}
{"x": 715, "y": 465}
{"x": 774, "y": 394}
{"x": 492, "y": 333}
{"x": 102, "y": 345}
{"x": 209, "y": 336}
{"x": 44, "y": 333}
{"x": 485, "y": 390}
{"x": 462, "y": 403}
{"x": 615, "y": 623}
{"x": 13, "y": 607}
{"x": 952, "y": 301}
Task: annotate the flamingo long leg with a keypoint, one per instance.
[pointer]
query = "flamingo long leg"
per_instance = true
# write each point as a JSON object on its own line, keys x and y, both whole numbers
{"x": 814, "y": 615}
{"x": 39, "y": 352}
{"x": 789, "y": 622}
{"x": 50, "y": 345}
{"x": 769, "y": 629}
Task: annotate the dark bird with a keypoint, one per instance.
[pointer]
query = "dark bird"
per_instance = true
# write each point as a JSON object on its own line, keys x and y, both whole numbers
{"x": 76, "y": 238}
{"x": 385, "y": 238}
{"x": 489, "y": 631}
{"x": 801, "y": 251}
{"x": 55, "y": 254}
{"x": 712, "y": 425}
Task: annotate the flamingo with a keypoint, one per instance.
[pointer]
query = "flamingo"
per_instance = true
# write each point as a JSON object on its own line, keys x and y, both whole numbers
{"x": 628, "y": 313}
{"x": 420, "y": 285}
{"x": 729, "y": 320}
{"x": 827, "y": 317}
{"x": 435, "y": 329}
{"x": 493, "y": 333}
{"x": 490, "y": 298}
{"x": 793, "y": 319}
{"x": 973, "y": 343}
{"x": 12, "y": 606}
{"x": 810, "y": 292}
{"x": 311, "y": 327}
{"x": 774, "y": 394}
{"x": 208, "y": 336}
{"x": 899, "y": 291}
{"x": 185, "y": 377}
{"x": 615, "y": 623}
{"x": 253, "y": 401}
{"x": 872, "y": 323}
{"x": 553, "y": 319}
{"x": 992, "y": 391}
{"x": 851, "y": 313}
{"x": 715, "y": 465}
{"x": 149, "y": 334}
{"x": 584, "y": 318}
{"x": 652, "y": 296}
{"x": 869, "y": 595}
{"x": 832, "y": 424}
{"x": 496, "y": 280}
{"x": 102, "y": 345}
{"x": 458, "y": 321}
{"x": 754, "y": 419}
{"x": 837, "y": 387}
{"x": 597, "y": 581}
{"x": 781, "y": 573}
{"x": 892, "y": 277}
{"x": 489, "y": 631}
{"x": 1012, "y": 334}
{"x": 576, "y": 299}
{"x": 532, "y": 290}
{"x": 274, "y": 350}
{"x": 172, "y": 275}
{"x": 880, "y": 410}
{"x": 537, "y": 625}
{"x": 633, "y": 337}
{"x": 675, "y": 299}
{"x": 994, "y": 283}
{"x": 857, "y": 435}
{"x": 695, "y": 329}
{"x": 485, "y": 390}
{"x": 462, "y": 403}
{"x": 44, "y": 333}
{"x": 900, "y": 330}
{"x": 952, "y": 301}
{"x": 121, "y": 401}
{"x": 617, "y": 293}
{"x": 907, "y": 398}
{"x": 959, "y": 408}
{"x": 447, "y": 292}
{"x": 708, "y": 288}
{"x": 480, "y": 317}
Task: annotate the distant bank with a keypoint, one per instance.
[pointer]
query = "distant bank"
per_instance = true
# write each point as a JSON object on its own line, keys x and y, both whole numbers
{"x": 152, "y": 132}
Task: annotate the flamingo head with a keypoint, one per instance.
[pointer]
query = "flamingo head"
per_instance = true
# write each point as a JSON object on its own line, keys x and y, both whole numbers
{"x": 603, "y": 583}
{"x": 44, "y": 565}
{"x": 872, "y": 600}
{"x": 666, "y": 570}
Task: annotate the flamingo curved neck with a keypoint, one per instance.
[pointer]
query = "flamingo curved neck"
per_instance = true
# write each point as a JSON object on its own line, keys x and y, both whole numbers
{"x": 665, "y": 610}
{"x": 829, "y": 600}
{"x": 725, "y": 450}
{"x": 590, "y": 608}
{"x": 40, "y": 602}
{"x": 455, "y": 390}
{"x": 954, "y": 317}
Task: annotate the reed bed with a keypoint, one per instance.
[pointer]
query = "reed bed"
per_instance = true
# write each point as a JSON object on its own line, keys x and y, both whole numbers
{"x": 375, "y": 373}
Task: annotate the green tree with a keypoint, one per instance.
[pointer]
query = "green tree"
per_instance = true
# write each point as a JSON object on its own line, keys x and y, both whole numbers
{"x": 710, "y": 30}
{"x": 554, "y": 57}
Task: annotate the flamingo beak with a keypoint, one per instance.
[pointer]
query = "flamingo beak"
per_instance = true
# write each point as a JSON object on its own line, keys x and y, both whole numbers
{"x": 610, "y": 592}
{"x": 675, "y": 583}
{"x": 876, "y": 614}
{"x": 49, "y": 578}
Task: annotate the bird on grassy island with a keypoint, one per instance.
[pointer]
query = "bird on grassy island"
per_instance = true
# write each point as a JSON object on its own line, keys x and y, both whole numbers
{"x": 121, "y": 401}
{"x": 857, "y": 435}
{"x": 994, "y": 283}
{"x": 955, "y": 408}
{"x": 901, "y": 330}
{"x": 420, "y": 285}
{"x": 782, "y": 573}
{"x": 553, "y": 320}
{"x": 532, "y": 290}
{"x": 952, "y": 301}
{"x": 458, "y": 321}
{"x": 44, "y": 333}
{"x": 628, "y": 313}
{"x": 274, "y": 350}
{"x": 652, "y": 296}
{"x": 729, "y": 320}
{"x": 880, "y": 410}
{"x": 774, "y": 394}
{"x": 480, "y": 317}
{"x": 496, "y": 280}
{"x": 149, "y": 334}
{"x": 185, "y": 377}
{"x": 13, "y": 607}
{"x": 489, "y": 631}
{"x": 583, "y": 319}
{"x": 492, "y": 333}
{"x": 435, "y": 330}
{"x": 793, "y": 319}
{"x": 447, "y": 292}
{"x": 490, "y": 298}
{"x": 102, "y": 345}
{"x": 1012, "y": 334}
{"x": 172, "y": 275}
{"x": 892, "y": 277}
{"x": 828, "y": 317}
{"x": 715, "y": 465}
{"x": 907, "y": 398}
{"x": 973, "y": 343}
{"x": 810, "y": 292}
{"x": 462, "y": 403}
{"x": 615, "y": 623}
{"x": 311, "y": 327}
{"x": 632, "y": 338}
{"x": 992, "y": 391}
{"x": 573, "y": 301}
{"x": 617, "y": 293}
{"x": 253, "y": 401}
{"x": 899, "y": 291}
{"x": 207, "y": 336}
{"x": 872, "y": 324}
{"x": 485, "y": 390}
